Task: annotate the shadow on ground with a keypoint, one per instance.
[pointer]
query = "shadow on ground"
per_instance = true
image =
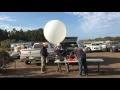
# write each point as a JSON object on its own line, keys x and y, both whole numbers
{"x": 29, "y": 73}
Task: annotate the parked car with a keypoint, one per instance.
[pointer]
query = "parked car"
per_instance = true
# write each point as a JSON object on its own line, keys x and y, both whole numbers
{"x": 113, "y": 46}
{"x": 16, "y": 52}
{"x": 94, "y": 47}
{"x": 15, "y": 55}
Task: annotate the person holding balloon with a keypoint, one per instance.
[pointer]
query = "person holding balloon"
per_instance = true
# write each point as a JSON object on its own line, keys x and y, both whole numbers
{"x": 55, "y": 32}
{"x": 57, "y": 49}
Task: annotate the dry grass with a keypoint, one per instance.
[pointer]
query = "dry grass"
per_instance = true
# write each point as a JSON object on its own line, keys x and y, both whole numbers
{"x": 110, "y": 68}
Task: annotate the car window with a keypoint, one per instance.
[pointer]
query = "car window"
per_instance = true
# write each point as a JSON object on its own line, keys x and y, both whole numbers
{"x": 95, "y": 44}
{"x": 52, "y": 45}
{"x": 115, "y": 43}
{"x": 38, "y": 46}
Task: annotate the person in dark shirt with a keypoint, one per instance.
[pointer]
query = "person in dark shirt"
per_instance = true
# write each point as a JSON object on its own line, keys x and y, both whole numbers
{"x": 44, "y": 55}
{"x": 81, "y": 57}
{"x": 63, "y": 54}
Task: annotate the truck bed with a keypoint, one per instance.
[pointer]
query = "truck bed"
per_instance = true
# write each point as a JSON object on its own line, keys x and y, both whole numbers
{"x": 29, "y": 53}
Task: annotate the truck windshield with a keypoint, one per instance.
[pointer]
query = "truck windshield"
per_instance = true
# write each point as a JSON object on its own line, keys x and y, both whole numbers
{"x": 38, "y": 46}
{"x": 80, "y": 44}
{"x": 95, "y": 44}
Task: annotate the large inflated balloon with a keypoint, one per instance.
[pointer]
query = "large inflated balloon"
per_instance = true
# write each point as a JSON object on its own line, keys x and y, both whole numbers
{"x": 55, "y": 31}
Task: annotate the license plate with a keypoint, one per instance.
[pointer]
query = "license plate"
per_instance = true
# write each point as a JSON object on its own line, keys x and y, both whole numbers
{"x": 31, "y": 57}
{"x": 96, "y": 48}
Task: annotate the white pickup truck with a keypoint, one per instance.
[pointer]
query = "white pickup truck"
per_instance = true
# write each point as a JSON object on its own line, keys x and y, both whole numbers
{"x": 94, "y": 47}
{"x": 29, "y": 55}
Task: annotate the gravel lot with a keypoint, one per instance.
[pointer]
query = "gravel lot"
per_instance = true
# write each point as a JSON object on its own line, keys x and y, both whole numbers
{"x": 110, "y": 68}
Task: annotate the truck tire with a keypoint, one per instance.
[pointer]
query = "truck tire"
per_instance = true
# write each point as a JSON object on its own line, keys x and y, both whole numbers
{"x": 111, "y": 50}
{"x": 18, "y": 57}
{"x": 104, "y": 50}
{"x": 88, "y": 49}
{"x": 116, "y": 50}
{"x": 27, "y": 62}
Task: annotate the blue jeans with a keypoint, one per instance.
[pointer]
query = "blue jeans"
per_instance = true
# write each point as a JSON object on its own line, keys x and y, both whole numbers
{"x": 82, "y": 61}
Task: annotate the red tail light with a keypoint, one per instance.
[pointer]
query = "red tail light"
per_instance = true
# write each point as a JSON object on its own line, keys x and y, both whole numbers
{"x": 20, "y": 52}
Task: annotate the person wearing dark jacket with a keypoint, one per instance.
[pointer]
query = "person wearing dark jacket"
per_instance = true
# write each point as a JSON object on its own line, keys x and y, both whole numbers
{"x": 44, "y": 55}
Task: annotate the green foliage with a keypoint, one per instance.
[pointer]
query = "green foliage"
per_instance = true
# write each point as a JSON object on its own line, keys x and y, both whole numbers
{"x": 3, "y": 34}
{"x": 30, "y": 35}
{"x": 18, "y": 36}
{"x": 108, "y": 38}
{"x": 3, "y": 53}
{"x": 6, "y": 57}
{"x": 5, "y": 43}
{"x": 20, "y": 41}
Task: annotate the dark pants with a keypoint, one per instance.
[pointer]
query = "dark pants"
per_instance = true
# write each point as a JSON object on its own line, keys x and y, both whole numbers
{"x": 82, "y": 62}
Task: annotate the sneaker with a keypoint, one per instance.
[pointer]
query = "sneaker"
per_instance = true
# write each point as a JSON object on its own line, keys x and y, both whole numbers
{"x": 80, "y": 75}
{"x": 86, "y": 75}
{"x": 42, "y": 72}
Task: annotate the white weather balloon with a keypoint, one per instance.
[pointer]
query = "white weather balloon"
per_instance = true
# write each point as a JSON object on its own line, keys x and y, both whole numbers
{"x": 55, "y": 31}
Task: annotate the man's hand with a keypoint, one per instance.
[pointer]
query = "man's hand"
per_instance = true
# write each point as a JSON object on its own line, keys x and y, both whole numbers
{"x": 75, "y": 58}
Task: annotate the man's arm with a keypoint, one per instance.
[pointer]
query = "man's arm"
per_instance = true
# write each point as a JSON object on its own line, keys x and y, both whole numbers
{"x": 75, "y": 57}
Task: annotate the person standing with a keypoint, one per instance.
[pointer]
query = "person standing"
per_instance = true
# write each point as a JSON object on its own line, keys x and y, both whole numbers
{"x": 44, "y": 55}
{"x": 57, "y": 49}
{"x": 80, "y": 55}
{"x": 64, "y": 54}
{"x": 60, "y": 52}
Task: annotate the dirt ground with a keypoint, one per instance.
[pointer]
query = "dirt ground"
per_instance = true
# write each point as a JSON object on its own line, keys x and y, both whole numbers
{"x": 110, "y": 68}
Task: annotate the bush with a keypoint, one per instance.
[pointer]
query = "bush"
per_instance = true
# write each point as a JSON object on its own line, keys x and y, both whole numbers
{"x": 4, "y": 55}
